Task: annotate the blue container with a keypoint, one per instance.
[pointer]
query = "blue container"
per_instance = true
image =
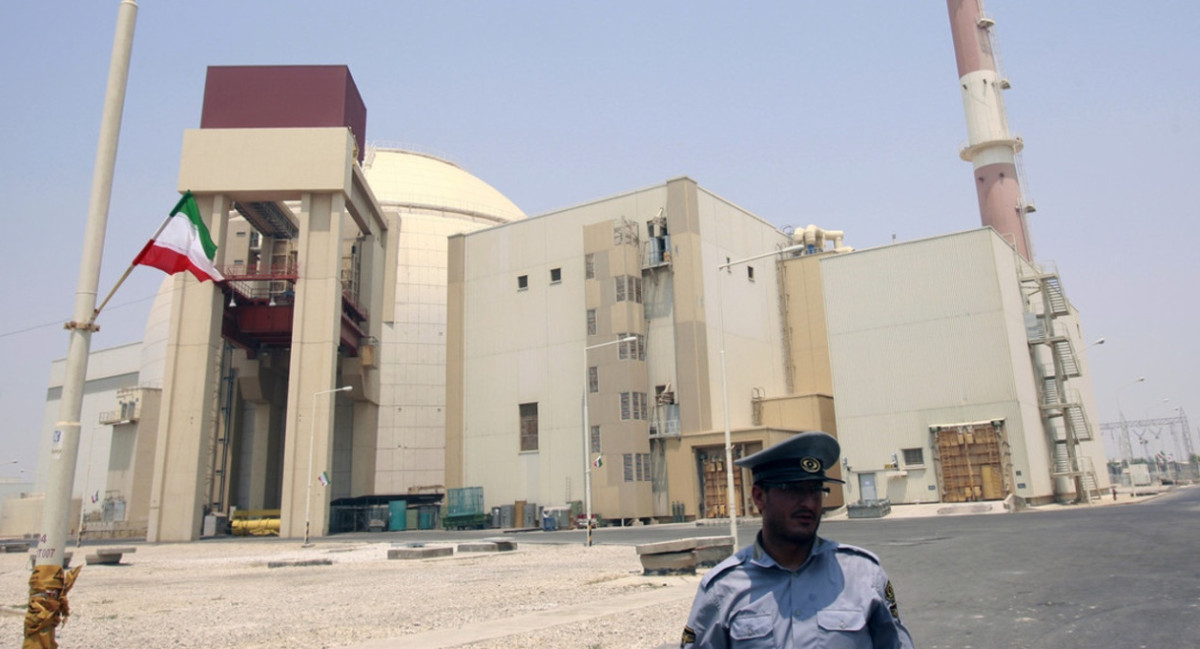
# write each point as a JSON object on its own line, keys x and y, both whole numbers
{"x": 398, "y": 520}
{"x": 427, "y": 518}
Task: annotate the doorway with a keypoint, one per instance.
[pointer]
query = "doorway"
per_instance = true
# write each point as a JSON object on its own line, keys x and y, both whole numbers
{"x": 972, "y": 463}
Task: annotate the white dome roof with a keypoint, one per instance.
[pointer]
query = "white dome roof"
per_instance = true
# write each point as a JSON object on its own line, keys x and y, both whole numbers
{"x": 408, "y": 179}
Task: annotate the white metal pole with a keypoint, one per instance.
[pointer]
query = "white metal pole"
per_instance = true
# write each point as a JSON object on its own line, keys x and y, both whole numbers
{"x": 44, "y": 588}
{"x": 587, "y": 461}
{"x": 64, "y": 449}
{"x": 1126, "y": 442}
{"x": 731, "y": 504}
{"x": 87, "y": 479}
{"x": 587, "y": 453}
{"x": 312, "y": 438}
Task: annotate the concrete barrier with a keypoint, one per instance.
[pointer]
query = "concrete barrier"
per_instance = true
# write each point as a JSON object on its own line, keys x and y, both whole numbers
{"x": 478, "y": 547}
{"x": 108, "y": 556}
{"x": 419, "y": 553}
{"x": 683, "y": 556}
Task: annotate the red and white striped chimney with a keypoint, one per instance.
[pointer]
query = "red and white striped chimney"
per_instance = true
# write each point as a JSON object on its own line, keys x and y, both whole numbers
{"x": 990, "y": 148}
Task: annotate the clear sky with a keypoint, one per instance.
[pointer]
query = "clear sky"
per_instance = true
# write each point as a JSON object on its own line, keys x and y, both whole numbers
{"x": 846, "y": 116}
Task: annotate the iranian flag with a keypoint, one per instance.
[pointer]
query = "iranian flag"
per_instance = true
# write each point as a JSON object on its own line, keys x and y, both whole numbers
{"x": 182, "y": 243}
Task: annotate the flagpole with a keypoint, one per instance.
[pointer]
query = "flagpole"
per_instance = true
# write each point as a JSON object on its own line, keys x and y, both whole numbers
{"x": 49, "y": 584}
{"x": 125, "y": 275}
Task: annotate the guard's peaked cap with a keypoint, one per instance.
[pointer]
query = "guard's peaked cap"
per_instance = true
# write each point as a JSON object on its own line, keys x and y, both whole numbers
{"x": 807, "y": 456}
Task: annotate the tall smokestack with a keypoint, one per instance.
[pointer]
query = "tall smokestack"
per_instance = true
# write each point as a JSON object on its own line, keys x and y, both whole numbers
{"x": 990, "y": 148}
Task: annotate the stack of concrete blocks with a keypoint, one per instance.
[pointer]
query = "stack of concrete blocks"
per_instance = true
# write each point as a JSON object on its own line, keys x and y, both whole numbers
{"x": 683, "y": 556}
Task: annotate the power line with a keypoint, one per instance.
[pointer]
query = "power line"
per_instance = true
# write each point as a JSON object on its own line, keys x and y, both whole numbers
{"x": 58, "y": 323}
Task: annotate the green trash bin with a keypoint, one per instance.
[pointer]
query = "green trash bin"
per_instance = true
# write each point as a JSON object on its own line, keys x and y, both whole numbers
{"x": 398, "y": 515}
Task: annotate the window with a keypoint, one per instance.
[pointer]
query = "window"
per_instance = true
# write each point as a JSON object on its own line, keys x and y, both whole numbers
{"x": 633, "y": 349}
{"x": 593, "y": 379}
{"x": 591, "y": 322}
{"x": 636, "y": 467}
{"x": 633, "y": 406}
{"x": 589, "y": 266}
{"x": 522, "y": 282}
{"x": 629, "y": 288}
{"x": 595, "y": 438}
{"x": 750, "y": 273}
{"x": 555, "y": 275}
{"x": 914, "y": 456}
{"x": 529, "y": 426}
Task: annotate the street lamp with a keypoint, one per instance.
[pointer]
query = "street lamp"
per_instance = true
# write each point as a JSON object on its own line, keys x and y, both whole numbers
{"x": 587, "y": 454}
{"x": 1098, "y": 341}
{"x": 312, "y": 438}
{"x": 730, "y": 505}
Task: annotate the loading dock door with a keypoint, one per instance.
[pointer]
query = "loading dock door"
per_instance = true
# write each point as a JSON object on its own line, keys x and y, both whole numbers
{"x": 972, "y": 466}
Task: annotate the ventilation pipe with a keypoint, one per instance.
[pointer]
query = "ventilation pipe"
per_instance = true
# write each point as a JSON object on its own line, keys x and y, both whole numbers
{"x": 814, "y": 238}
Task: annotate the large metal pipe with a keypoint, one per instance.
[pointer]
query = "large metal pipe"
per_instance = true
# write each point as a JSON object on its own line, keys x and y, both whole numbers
{"x": 991, "y": 149}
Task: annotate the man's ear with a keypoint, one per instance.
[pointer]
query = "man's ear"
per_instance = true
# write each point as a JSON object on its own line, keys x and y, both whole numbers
{"x": 759, "y": 495}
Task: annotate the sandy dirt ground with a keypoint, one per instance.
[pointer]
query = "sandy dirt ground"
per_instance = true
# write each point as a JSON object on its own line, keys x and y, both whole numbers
{"x": 223, "y": 594}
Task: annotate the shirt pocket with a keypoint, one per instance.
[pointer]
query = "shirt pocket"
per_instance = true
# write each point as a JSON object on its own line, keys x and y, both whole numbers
{"x": 834, "y": 620}
{"x": 751, "y": 631}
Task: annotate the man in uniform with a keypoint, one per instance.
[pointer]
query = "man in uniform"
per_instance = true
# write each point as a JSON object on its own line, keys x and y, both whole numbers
{"x": 792, "y": 588}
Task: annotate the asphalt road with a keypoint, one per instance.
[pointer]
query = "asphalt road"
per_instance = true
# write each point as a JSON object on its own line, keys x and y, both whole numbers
{"x": 1125, "y": 576}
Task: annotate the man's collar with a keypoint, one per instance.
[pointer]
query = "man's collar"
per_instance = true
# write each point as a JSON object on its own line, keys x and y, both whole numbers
{"x": 760, "y": 557}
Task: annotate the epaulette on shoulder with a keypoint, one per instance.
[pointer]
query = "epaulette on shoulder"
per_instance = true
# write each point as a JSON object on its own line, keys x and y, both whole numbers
{"x": 725, "y": 566}
{"x": 854, "y": 549}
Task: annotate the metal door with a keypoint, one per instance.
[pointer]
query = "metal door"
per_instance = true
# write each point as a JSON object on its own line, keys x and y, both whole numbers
{"x": 866, "y": 487}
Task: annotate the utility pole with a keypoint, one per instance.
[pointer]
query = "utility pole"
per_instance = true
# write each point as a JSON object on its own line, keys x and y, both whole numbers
{"x": 48, "y": 585}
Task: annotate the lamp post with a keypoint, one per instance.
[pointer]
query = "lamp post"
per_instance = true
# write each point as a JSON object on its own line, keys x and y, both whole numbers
{"x": 1126, "y": 445}
{"x": 1098, "y": 341}
{"x": 312, "y": 438}
{"x": 587, "y": 453}
{"x": 730, "y": 505}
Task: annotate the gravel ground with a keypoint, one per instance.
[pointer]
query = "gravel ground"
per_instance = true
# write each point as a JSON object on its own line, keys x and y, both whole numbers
{"x": 222, "y": 594}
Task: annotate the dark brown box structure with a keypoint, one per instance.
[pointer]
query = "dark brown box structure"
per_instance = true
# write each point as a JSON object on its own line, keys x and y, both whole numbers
{"x": 284, "y": 96}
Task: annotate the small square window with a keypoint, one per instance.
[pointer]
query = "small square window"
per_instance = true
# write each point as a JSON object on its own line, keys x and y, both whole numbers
{"x": 589, "y": 266}
{"x": 555, "y": 275}
{"x": 914, "y": 457}
{"x": 750, "y": 272}
{"x": 522, "y": 282}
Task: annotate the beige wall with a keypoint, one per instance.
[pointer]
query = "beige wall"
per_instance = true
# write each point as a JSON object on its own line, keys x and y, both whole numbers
{"x": 928, "y": 333}
{"x": 525, "y": 346}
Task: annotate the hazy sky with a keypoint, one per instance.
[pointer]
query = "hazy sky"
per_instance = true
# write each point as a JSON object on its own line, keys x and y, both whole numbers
{"x": 843, "y": 115}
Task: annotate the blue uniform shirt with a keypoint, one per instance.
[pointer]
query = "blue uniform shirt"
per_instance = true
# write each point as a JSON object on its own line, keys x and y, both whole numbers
{"x": 840, "y": 597}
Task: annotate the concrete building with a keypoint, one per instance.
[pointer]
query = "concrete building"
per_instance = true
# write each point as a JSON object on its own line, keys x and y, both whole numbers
{"x": 380, "y": 331}
{"x": 960, "y": 374}
{"x": 532, "y": 306}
